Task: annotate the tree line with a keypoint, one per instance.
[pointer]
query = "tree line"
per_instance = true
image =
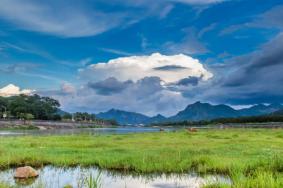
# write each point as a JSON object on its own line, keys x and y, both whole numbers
{"x": 86, "y": 117}
{"x": 248, "y": 119}
{"x": 28, "y": 107}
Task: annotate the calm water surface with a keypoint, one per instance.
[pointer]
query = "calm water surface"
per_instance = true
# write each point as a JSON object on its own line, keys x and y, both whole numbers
{"x": 52, "y": 177}
{"x": 92, "y": 131}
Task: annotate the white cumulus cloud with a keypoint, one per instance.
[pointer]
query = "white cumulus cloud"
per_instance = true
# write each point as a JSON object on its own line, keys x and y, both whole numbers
{"x": 12, "y": 90}
{"x": 169, "y": 69}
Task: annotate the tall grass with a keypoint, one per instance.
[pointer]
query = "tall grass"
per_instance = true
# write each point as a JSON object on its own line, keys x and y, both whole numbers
{"x": 90, "y": 181}
{"x": 93, "y": 181}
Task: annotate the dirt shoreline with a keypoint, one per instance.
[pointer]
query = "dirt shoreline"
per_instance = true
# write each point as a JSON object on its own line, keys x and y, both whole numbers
{"x": 43, "y": 125}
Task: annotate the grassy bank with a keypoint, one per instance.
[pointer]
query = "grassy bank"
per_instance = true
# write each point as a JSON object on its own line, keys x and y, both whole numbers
{"x": 18, "y": 127}
{"x": 251, "y": 157}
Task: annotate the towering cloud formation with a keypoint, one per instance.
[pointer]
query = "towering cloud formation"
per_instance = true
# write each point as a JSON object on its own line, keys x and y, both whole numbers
{"x": 169, "y": 69}
{"x": 146, "y": 84}
{"x": 11, "y": 90}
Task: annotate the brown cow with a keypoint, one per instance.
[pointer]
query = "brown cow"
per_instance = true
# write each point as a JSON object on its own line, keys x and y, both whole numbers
{"x": 192, "y": 130}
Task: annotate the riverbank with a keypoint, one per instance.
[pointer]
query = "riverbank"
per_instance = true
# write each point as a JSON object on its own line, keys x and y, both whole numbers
{"x": 44, "y": 125}
{"x": 249, "y": 156}
{"x": 63, "y": 125}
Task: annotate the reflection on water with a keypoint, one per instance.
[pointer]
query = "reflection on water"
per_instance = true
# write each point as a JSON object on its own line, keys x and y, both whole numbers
{"x": 122, "y": 130}
{"x": 52, "y": 177}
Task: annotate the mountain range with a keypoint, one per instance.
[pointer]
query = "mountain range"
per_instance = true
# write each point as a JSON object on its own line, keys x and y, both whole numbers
{"x": 193, "y": 112}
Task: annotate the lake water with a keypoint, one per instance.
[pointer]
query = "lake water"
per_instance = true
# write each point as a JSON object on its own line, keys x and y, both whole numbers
{"x": 92, "y": 131}
{"x": 52, "y": 177}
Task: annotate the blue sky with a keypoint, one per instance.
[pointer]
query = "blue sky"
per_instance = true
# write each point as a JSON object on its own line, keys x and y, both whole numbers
{"x": 54, "y": 47}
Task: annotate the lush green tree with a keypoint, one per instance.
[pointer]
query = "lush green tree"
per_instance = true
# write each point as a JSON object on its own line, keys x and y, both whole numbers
{"x": 3, "y": 107}
{"x": 26, "y": 116}
{"x": 67, "y": 116}
{"x": 29, "y": 116}
{"x": 43, "y": 108}
{"x": 3, "y": 103}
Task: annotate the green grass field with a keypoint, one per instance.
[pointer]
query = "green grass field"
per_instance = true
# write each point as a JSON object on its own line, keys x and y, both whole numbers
{"x": 251, "y": 157}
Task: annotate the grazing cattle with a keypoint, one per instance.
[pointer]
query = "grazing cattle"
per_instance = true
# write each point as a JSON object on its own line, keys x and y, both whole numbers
{"x": 192, "y": 129}
{"x": 161, "y": 130}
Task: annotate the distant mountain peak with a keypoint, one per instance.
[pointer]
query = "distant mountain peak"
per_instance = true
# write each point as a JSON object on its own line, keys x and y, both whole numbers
{"x": 193, "y": 112}
{"x": 204, "y": 111}
{"x": 260, "y": 109}
{"x": 112, "y": 110}
{"x": 123, "y": 117}
{"x": 198, "y": 103}
{"x": 158, "y": 116}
